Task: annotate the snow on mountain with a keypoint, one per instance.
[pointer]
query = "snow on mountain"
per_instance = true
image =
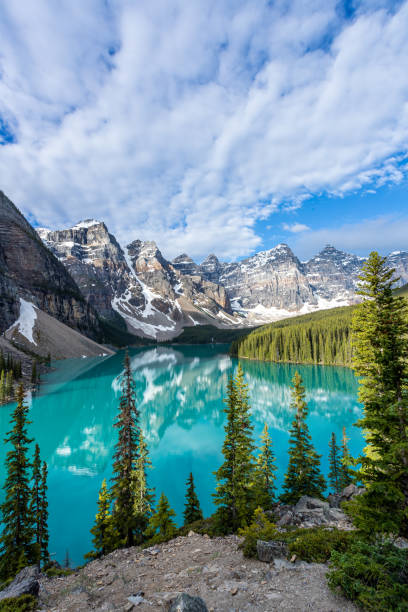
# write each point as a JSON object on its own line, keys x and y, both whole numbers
{"x": 157, "y": 298}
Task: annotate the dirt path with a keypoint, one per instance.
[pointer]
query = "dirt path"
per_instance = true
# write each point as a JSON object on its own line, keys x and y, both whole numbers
{"x": 214, "y": 569}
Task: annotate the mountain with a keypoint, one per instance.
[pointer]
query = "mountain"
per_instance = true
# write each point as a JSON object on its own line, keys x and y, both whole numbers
{"x": 137, "y": 284}
{"x": 156, "y": 298}
{"x": 30, "y": 271}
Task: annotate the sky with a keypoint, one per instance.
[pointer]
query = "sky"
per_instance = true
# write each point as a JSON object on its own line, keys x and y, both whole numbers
{"x": 211, "y": 126}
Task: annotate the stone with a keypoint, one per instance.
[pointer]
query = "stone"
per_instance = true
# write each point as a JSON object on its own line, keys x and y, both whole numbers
{"x": 285, "y": 519}
{"x": 310, "y": 503}
{"x": 187, "y": 603}
{"x": 351, "y": 491}
{"x": 25, "y": 583}
{"x": 268, "y": 551}
{"x": 334, "y": 500}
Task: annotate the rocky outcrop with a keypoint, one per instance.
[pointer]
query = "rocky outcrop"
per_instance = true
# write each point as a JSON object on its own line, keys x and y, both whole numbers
{"x": 30, "y": 271}
{"x": 311, "y": 512}
{"x": 25, "y": 583}
{"x": 187, "y": 603}
{"x": 268, "y": 551}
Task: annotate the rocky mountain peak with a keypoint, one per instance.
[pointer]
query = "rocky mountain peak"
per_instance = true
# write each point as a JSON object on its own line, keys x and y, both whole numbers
{"x": 184, "y": 264}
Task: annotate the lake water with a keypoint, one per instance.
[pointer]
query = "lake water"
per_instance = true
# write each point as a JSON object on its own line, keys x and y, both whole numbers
{"x": 180, "y": 393}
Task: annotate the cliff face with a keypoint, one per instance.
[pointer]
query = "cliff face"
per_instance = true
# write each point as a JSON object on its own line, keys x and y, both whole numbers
{"x": 29, "y": 270}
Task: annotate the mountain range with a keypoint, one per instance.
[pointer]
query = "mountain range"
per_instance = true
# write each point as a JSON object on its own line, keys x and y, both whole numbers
{"x": 84, "y": 278}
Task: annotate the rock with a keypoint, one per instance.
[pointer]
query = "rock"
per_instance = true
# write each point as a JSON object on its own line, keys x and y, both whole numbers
{"x": 334, "y": 500}
{"x": 25, "y": 583}
{"x": 351, "y": 491}
{"x": 267, "y": 551}
{"x": 310, "y": 503}
{"x": 285, "y": 519}
{"x": 187, "y": 603}
{"x": 401, "y": 543}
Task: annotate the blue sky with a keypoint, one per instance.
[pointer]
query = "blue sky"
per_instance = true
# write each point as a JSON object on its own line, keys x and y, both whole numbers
{"x": 209, "y": 126}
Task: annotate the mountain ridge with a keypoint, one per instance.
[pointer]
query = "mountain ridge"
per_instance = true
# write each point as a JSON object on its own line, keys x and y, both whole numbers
{"x": 158, "y": 298}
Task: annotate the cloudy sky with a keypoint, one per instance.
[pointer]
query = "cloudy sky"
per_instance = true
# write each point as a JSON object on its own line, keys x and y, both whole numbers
{"x": 221, "y": 126}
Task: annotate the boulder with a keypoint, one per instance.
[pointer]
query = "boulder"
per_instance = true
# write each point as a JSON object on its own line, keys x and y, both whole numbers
{"x": 25, "y": 583}
{"x": 310, "y": 503}
{"x": 351, "y": 491}
{"x": 285, "y": 519}
{"x": 334, "y": 500}
{"x": 187, "y": 603}
{"x": 268, "y": 551}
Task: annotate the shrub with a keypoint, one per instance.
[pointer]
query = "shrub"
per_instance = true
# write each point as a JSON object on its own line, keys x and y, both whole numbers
{"x": 261, "y": 528}
{"x": 317, "y": 544}
{"x": 24, "y": 603}
{"x": 53, "y": 571}
{"x": 375, "y": 576}
{"x": 203, "y": 526}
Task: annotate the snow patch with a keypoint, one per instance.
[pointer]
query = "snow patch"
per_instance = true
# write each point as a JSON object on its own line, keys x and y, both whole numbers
{"x": 86, "y": 223}
{"x": 25, "y": 321}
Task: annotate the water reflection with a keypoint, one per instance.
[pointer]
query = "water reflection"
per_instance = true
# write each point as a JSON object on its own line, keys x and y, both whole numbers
{"x": 180, "y": 397}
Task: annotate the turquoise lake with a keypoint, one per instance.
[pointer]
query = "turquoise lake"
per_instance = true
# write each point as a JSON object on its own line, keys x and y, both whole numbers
{"x": 180, "y": 393}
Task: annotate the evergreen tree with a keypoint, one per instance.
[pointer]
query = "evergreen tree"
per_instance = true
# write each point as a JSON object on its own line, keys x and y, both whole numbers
{"x": 36, "y": 503}
{"x": 143, "y": 494}
{"x": 161, "y": 525}
{"x": 9, "y": 385}
{"x": 303, "y": 476}
{"x": 2, "y": 387}
{"x": 335, "y": 465}
{"x": 192, "y": 510}
{"x": 16, "y": 538}
{"x": 67, "y": 560}
{"x": 346, "y": 472}
{"x": 103, "y": 536}
{"x": 264, "y": 483}
{"x": 125, "y": 522}
{"x": 380, "y": 328}
{"x": 34, "y": 378}
{"x": 43, "y": 517}
{"x": 234, "y": 494}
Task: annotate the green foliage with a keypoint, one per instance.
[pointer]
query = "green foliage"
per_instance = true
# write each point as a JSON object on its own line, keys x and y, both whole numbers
{"x": 125, "y": 523}
{"x": 192, "y": 511}
{"x": 161, "y": 525}
{"x": 143, "y": 494}
{"x": 347, "y": 473}
{"x": 375, "y": 576}
{"x": 53, "y": 572}
{"x": 16, "y": 538}
{"x": 204, "y": 526}
{"x": 380, "y": 329}
{"x": 261, "y": 528}
{"x": 264, "y": 474}
{"x": 10, "y": 371}
{"x": 24, "y": 603}
{"x": 322, "y": 338}
{"x": 317, "y": 544}
{"x": 335, "y": 465}
{"x": 234, "y": 494}
{"x": 205, "y": 334}
{"x": 303, "y": 475}
{"x": 103, "y": 531}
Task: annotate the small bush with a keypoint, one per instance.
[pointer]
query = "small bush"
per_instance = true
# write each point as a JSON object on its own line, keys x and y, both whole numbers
{"x": 261, "y": 528}
{"x": 204, "y": 526}
{"x": 375, "y": 576}
{"x": 317, "y": 544}
{"x": 53, "y": 571}
{"x": 24, "y": 603}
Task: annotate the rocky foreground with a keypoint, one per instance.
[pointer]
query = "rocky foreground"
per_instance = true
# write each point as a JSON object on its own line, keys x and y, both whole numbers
{"x": 213, "y": 569}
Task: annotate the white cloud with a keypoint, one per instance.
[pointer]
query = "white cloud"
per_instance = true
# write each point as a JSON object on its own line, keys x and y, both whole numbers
{"x": 295, "y": 228}
{"x": 384, "y": 234}
{"x": 207, "y": 117}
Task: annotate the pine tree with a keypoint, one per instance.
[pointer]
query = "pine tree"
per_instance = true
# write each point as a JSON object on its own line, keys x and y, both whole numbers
{"x": 16, "y": 538}
{"x": 2, "y": 387}
{"x": 264, "y": 483}
{"x": 380, "y": 328}
{"x": 67, "y": 560}
{"x": 347, "y": 475}
{"x": 335, "y": 465}
{"x": 43, "y": 517}
{"x": 125, "y": 522}
{"x": 161, "y": 525}
{"x": 34, "y": 379}
{"x": 103, "y": 536}
{"x": 234, "y": 494}
{"x": 144, "y": 496}
{"x": 303, "y": 476}
{"x": 35, "y": 505}
{"x": 192, "y": 511}
{"x": 9, "y": 385}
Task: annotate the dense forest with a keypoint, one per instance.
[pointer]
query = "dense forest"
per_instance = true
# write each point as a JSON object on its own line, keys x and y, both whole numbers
{"x": 322, "y": 337}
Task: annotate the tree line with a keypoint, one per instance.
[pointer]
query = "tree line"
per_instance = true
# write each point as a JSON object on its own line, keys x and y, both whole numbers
{"x": 323, "y": 337}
